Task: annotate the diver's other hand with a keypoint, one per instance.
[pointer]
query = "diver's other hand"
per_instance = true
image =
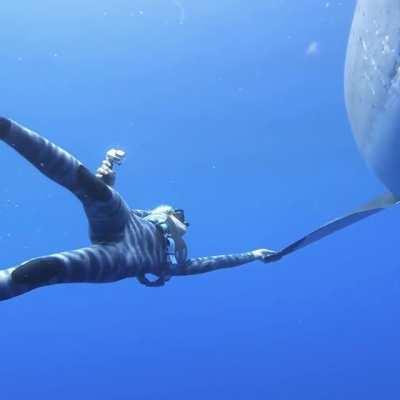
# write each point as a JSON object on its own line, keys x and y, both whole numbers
{"x": 115, "y": 156}
{"x": 106, "y": 173}
{"x": 266, "y": 255}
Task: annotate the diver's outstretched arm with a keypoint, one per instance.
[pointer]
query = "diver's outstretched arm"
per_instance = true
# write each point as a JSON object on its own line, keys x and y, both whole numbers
{"x": 48, "y": 158}
{"x": 105, "y": 208}
{"x": 207, "y": 264}
{"x": 95, "y": 264}
{"x": 54, "y": 162}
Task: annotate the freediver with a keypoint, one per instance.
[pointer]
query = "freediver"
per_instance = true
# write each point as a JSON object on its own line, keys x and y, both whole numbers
{"x": 125, "y": 243}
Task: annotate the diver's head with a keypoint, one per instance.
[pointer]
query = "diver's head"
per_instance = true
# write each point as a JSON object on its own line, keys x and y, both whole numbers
{"x": 176, "y": 215}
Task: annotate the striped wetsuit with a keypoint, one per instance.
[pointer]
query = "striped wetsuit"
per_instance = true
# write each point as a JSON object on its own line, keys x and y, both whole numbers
{"x": 124, "y": 244}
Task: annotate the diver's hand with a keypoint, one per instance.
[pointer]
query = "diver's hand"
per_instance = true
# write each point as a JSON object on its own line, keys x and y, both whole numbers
{"x": 106, "y": 170}
{"x": 266, "y": 255}
{"x": 115, "y": 156}
{"x": 106, "y": 173}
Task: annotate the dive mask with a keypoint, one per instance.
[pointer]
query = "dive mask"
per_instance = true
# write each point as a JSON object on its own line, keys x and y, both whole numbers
{"x": 180, "y": 215}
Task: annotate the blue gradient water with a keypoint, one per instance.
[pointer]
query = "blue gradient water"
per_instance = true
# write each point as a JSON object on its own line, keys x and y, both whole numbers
{"x": 222, "y": 112}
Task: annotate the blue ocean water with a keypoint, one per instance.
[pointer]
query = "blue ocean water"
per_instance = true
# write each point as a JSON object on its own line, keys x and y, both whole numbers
{"x": 234, "y": 111}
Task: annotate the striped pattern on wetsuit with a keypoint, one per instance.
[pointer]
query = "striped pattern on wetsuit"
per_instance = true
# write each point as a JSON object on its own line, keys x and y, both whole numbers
{"x": 207, "y": 264}
{"x": 123, "y": 243}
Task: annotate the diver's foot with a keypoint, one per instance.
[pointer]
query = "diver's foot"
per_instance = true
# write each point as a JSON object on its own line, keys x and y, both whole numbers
{"x": 5, "y": 126}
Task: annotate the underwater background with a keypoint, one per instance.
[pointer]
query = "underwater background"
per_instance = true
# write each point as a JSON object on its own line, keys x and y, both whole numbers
{"x": 234, "y": 111}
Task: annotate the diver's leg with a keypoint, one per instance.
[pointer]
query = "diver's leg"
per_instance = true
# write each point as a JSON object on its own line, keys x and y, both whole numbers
{"x": 53, "y": 161}
{"x": 96, "y": 264}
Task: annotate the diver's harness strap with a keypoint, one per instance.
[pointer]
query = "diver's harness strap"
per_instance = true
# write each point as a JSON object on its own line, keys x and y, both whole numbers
{"x": 170, "y": 253}
{"x": 374, "y": 206}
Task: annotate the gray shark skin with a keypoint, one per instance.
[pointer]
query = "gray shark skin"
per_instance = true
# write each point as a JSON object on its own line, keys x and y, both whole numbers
{"x": 372, "y": 86}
